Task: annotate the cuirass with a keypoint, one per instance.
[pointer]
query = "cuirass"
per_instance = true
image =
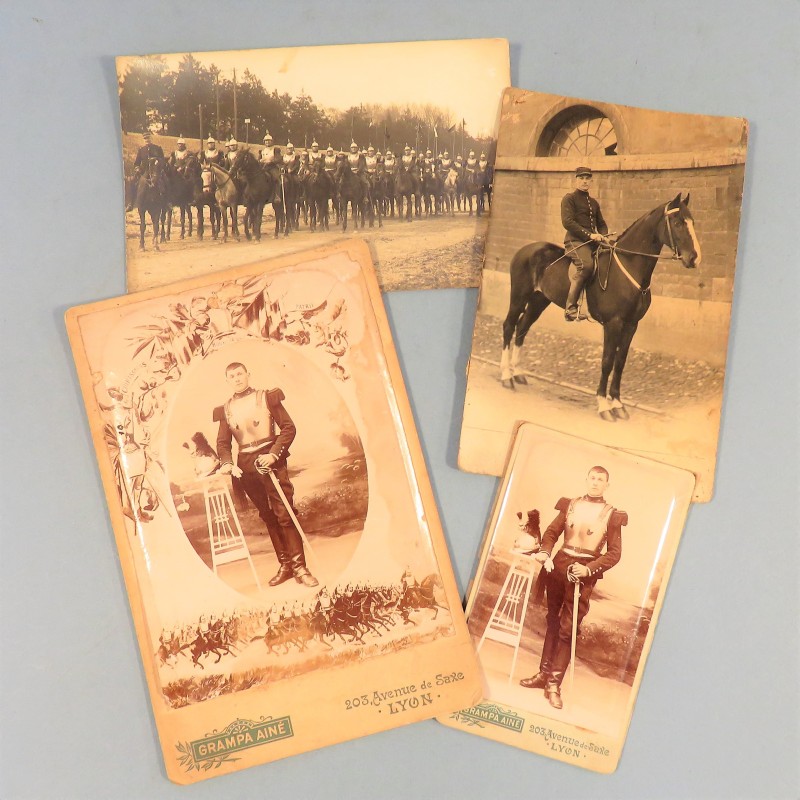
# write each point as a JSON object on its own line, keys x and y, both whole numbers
{"x": 586, "y": 524}
{"x": 353, "y": 159}
{"x": 249, "y": 418}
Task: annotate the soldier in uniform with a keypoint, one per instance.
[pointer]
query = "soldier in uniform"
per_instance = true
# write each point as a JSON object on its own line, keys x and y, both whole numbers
{"x": 589, "y": 524}
{"x": 445, "y": 164}
{"x": 251, "y": 417}
{"x": 329, "y": 161}
{"x": 471, "y": 167}
{"x": 585, "y": 230}
{"x": 230, "y": 156}
{"x": 407, "y": 158}
{"x": 291, "y": 163}
{"x": 371, "y": 161}
{"x": 211, "y": 155}
{"x": 178, "y": 157}
{"x": 357, "y": 160}
{"x": 429, "y": 163}
{"x": 268, "y": 152}
{"x": 389, "y": 160}
{"x": 315, "y": 154}
{"x": 147, "y": 151}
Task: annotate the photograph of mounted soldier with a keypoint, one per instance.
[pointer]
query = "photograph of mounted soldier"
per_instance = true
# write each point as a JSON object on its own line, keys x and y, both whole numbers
{"x": 607, "y": 288}
{"x": 240, "y": 142}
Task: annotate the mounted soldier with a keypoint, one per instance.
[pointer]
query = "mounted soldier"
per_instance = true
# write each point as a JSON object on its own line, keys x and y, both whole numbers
{"x": 585, "y": 231}
{"x": 230, "y": 155}
{"x": 389, "y": 160}
{"x": 371, "y": 162}
{"x": 179, "y": 157}
{"x": 291, "y": 163}
{"x": 329, "y": 161}
{"x": 149, "y": 156}
{"x": 211, "y": 155}
{"x": 445, "y": 164}
{"x": 315, "y": 154}
{"x": 268, "y": 151}
{"x": 471, "y": 166}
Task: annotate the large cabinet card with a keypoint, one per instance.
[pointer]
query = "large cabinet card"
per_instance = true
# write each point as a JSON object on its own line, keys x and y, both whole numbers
{"x": 392, "y": 142}
{"x": 606, "y": 295}
{"x": 285, "y": 563}
{"x": 569, "y": 586}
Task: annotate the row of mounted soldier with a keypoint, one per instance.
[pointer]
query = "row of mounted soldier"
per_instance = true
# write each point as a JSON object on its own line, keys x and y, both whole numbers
{"x": 307, "y": 183}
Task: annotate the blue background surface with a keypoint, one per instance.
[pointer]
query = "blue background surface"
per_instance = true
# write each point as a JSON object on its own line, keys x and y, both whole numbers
{"x": 717, "y": 714}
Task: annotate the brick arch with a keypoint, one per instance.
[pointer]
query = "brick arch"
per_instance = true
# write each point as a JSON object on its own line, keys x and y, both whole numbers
{"x": 558, "y": 114}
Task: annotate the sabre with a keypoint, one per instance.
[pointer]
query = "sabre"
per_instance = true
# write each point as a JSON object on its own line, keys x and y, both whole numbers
{"x": 573, "y": 642}
{"x": 288, "y": 506}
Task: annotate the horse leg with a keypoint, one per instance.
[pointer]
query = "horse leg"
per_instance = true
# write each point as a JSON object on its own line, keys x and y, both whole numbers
{"x": 533, "y": 310}
{"x": 344, "y": 215}
{"x": 235, "y": 221}
{"x": 617, "y": 407}
{"x": 612, "y": 333}
{"x": 142, "y": 225}
{"x": 155, "y": 220}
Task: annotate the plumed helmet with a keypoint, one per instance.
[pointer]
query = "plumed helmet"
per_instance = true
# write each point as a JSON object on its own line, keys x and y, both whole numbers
{"x": 232, "y": 142}
{"x": 330, "y": 149}
{"x": 428, "y": 153}
{"x": 353, "y": 146}
{"x": 370, "y": 149}
{"x": 446, "y": 154}
{"x": 267, "y": 137}
{"x": 211, "y": 140}
{"x": 407, "y": 149}
{"x": 289, "y": 146}
{"x": 314, "y": 144}
{"x": 472, "y": 154}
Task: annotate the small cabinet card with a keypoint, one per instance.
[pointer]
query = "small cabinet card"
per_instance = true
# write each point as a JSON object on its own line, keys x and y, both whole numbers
{"x": 568, "y": 590}
{"x": 285, "y": 564}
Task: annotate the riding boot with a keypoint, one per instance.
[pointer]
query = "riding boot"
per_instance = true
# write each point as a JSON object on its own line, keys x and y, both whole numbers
{"x": 571, "y": 309}
{"x": 552, "y": 690}
{"x": 284, "y": 572}
{"x": 540, "y": 679}
{"x": 300, "y": 570}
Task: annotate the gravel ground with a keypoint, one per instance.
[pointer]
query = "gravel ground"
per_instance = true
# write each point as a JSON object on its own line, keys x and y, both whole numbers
{"x": 650, "y": 378}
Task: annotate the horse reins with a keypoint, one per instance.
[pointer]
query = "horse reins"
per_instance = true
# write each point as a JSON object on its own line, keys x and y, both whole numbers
{"x": 614, "y": 249}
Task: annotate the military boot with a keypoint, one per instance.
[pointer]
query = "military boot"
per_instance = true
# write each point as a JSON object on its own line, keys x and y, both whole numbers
{"x": 540, "y": 679}
{"x": 284, "y": 572}
{"x": 300, "y": 571}
{"x": 571, "y": 308}
{"x": 552, "y": 691}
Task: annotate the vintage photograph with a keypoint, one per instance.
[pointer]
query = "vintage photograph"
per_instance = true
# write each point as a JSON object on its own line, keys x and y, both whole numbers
{"x": 284, "y": 149}
{"x": 569, "y": 586}
{"x": 266, "y": 484}
{"x": 607, "y": 288}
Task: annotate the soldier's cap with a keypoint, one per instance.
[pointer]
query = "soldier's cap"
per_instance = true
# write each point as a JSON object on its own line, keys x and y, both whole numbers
{"x": 583, "y": 171}
{"x": 147, "y": 135}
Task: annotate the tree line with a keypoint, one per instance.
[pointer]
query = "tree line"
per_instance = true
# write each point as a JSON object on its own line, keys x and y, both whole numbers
{"x": 197, "y": 101}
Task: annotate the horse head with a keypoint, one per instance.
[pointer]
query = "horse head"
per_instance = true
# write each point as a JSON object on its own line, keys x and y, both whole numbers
{"x": 677, "y": 232}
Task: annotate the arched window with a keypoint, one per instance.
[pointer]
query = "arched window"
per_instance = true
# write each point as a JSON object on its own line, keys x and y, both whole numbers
{"x": 578, "y": 131}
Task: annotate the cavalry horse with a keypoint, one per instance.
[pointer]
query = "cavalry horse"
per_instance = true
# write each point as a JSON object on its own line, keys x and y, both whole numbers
{"x": 617, "y": 297}
{"x": 450, "y": 191}
{"x": 404, "y": 189}
{"x": 320, "y": 189}
{"x": 258, "y": 188}
{"x": 471, "y": 187}
{"x": 415, "y": 598}
{"x": 227, "y": 193}
{"x": 352, "y": 191}
{"x": 180, "y": 193}
{"x": 150, "y": 198}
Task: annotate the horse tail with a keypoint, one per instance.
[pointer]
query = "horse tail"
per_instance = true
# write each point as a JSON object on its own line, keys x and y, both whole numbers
{"x": 529, "y": 264}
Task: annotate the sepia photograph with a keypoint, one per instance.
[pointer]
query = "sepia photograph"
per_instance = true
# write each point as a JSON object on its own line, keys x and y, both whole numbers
{"x": 607, "y": 288}
{"x": 570, "y": 583}
{"x": 235, "y": 155}
{"x": 266, "y": 487}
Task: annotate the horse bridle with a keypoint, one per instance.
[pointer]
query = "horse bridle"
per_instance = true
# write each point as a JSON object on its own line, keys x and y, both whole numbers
{"x": 668, "y": 212}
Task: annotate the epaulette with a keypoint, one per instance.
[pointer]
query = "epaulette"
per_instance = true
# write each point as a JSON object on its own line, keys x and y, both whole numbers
{"x": 620, "y": 517}
{"x": 563, "y": 504}
{"x": 275, "y": 396}
{"x": 218, "y": 414}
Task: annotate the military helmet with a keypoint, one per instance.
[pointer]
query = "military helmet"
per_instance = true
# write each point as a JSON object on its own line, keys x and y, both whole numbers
{"x": 370, "y": 149}
{"x": 181, "y": 140}
{"x": 428, "y": 153}
{"x": 232, "y": 142}
{"x": 211, "y": 140}
{"x": 289, "y": 146}
{"x": 314, "y": 144}
{"x": 267, "y": 137}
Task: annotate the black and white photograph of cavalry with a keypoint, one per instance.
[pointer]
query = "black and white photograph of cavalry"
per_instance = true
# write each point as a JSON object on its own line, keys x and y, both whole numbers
{"x": 232, "y": 156}
{"x": 572, "y": 578}
{"x": 607, "y": 288}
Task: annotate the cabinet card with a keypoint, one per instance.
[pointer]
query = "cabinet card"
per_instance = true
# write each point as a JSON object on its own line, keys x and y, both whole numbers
{"x": 569, "y": 586}
{"x": 626, "y": 220}
{"x": 283, "y": 556}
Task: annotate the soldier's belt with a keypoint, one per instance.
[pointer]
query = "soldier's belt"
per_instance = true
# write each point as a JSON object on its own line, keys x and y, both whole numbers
{"x": 578, "y": 552}
{"x": 252, "y": 446}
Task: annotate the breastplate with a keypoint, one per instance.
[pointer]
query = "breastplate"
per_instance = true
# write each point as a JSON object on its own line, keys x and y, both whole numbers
{"x": 353, "y": 160}
{"x": 181, "y": 154}
{"x": 249, "y": 418}
{"x": 389, "y": 162}
{"x": 330, "y": 162}
{"x": 372, "y": 164}
{"x": 267, "y": 156}
{"x": 587, "y": 523}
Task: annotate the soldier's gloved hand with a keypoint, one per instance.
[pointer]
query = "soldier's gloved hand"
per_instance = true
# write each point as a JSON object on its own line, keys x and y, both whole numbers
{"x": 596, "y": 237}
{"x": 226, "y": 469}
{"x": 544, "y": 559}
{"x": 265, "y": 463}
